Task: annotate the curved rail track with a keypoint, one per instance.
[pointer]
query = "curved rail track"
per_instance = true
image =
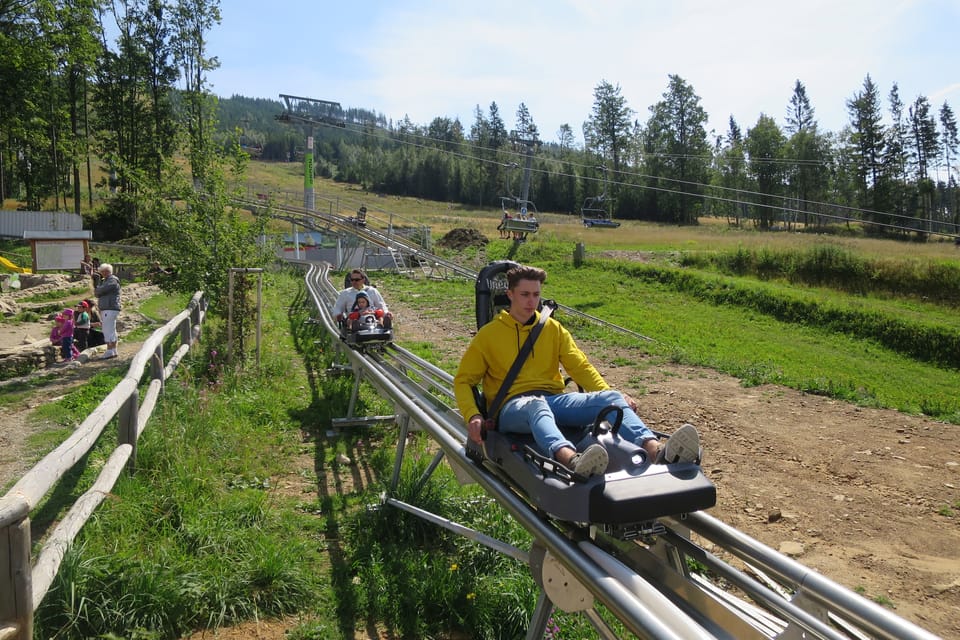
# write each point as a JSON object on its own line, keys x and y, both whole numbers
{"x": 646, "y": 583}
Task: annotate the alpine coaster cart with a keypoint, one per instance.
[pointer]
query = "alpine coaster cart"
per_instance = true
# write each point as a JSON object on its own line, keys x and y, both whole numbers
{"x": 625, "y": 501}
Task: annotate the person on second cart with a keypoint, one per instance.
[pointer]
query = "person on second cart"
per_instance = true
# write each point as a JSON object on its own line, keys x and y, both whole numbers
{"x": 348, "y": 297}
{"x": 362, "y": 308}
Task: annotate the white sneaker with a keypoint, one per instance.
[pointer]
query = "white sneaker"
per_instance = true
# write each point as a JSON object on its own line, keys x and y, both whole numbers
{"x": 592, "y": 461}
{"x": 682, "y": 446}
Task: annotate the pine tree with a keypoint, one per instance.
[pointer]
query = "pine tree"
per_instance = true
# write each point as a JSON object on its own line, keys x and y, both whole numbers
{"x": 950, "y": 143}
{"x": 526, "y": 129}
{"x": 677, "y": 139}
{"x": 867, "y": 135}
{"x": 607, "y": 131}
{"x": 764, "y": 145}
{"x": 800, "y": 113}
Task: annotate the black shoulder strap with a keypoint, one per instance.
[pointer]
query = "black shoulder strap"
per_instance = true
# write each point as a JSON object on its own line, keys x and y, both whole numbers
{"x": 494, "y": 407}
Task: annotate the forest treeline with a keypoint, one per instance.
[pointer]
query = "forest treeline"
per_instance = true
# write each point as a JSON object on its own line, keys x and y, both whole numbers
{"x": 76, "y": 103}
{"x": 105, "y": 110}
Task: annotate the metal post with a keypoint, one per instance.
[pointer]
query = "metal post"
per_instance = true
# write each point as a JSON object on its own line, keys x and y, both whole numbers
{"x": 354, "y": 393}
{"x": 541, "y": 615}
{"x": 527, "y": 168}
{"x": 401, "y": 445}
{"x": 308, "y": 197}
{"x": 230, "y": 317}
{"x": 296, "y": 240}
{"x": 259, "y": 312}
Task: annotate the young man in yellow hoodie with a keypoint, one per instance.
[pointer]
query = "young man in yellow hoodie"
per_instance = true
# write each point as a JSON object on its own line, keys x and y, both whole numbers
{"x": 536, "y": 402}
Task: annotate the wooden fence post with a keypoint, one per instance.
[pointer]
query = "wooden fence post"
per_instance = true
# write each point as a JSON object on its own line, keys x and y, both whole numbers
{"x": 16, "y": 580}
{"x": 186, "y": 329}
{"x": 156, "y": 364}
{"x": 129, "y": 427}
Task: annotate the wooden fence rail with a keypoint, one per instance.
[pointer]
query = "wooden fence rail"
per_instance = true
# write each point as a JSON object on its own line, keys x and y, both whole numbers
{"x": 23, "y": 587}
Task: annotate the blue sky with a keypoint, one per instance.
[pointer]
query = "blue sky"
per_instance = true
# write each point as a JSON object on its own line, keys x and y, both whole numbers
{"x": 429, "y": 58}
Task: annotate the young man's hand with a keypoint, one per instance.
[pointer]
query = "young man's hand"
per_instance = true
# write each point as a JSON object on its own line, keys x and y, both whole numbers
{"x": 475, "y": 428}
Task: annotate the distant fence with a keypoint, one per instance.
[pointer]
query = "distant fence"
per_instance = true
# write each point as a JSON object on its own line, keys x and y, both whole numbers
{"x": 22, "y": 586}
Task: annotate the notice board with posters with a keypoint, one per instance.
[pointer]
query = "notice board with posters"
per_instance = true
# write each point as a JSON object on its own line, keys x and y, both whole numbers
{"x": 57, "y": 251}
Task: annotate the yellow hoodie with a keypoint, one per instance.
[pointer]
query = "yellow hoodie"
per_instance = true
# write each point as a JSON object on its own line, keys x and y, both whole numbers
{"x": 492, "y": 351}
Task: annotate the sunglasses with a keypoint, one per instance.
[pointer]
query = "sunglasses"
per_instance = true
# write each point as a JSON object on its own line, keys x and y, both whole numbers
{"x": 356, "y": 279}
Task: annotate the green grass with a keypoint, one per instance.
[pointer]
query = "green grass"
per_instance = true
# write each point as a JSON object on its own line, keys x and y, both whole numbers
{"x": 161, "y": 308}
{"x": 57, "y": 295}
{"x": 14, "y": 393}
{"x": 208, "y": 532}
{"x": 754, "y": 346}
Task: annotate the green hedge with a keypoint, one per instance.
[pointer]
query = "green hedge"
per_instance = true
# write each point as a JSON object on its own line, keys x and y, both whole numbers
{"x": 927, "y": 342}
{"x": 832, "y": 266}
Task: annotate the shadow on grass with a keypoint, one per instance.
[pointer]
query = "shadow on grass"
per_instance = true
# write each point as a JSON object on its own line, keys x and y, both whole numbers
{"x": 330, "y": 389}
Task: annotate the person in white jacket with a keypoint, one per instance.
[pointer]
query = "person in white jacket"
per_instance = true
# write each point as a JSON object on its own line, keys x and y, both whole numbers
{"x": 358, "y": 282}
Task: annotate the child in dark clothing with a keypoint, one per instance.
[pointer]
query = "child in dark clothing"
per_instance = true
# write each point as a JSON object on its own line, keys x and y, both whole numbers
{"x": 361, "y": 307}
{"x": 81, "y": 330}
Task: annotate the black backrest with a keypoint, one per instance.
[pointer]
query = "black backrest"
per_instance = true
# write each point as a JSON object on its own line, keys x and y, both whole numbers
{"x": 491, "y": 290}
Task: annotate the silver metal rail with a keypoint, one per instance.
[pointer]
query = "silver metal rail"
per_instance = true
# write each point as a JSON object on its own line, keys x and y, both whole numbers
{"x": 647, "y": 586}
{"x": 313, "y": 219}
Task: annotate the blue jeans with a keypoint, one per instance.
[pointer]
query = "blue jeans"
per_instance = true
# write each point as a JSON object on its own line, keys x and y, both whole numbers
{"x": 66, "y": 347}
{"x": 540, "y": 416}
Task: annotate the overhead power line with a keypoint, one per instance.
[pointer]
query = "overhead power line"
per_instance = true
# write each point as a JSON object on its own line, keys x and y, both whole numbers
{"x": 513, "y": 157}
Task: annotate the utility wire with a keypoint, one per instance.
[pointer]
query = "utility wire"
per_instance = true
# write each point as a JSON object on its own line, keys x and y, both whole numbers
{"x": 438, "y": 145}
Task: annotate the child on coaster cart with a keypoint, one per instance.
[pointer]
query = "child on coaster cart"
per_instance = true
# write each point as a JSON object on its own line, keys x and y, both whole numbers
{"x": 361, "y": 309}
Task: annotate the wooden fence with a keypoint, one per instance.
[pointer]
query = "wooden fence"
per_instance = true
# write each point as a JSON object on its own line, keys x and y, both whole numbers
{"x": 22, "y": 586}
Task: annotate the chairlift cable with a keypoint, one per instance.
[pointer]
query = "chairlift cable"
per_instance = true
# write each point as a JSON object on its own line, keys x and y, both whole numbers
{"x": 704, "y": 196}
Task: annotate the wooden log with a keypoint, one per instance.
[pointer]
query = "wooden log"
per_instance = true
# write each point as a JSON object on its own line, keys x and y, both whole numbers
{"x": 60, "y": 539}
{"x": 38, "y": 481}
{"x": 13, "y": 509}
{"x": 16, "y": 608}
{"x": 8, "y": 631}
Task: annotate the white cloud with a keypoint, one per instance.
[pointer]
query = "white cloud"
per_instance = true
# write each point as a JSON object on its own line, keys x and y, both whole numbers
{"x": 428, "y": 58}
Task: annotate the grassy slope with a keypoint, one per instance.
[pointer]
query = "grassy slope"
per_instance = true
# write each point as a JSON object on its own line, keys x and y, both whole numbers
{"x": 201, "y": 537}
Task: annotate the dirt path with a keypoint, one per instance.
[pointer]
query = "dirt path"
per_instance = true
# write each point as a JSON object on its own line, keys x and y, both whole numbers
{"x": 861, "y": 492}
{"x": 16, "y": 423}
{"x": 870, "y": 496}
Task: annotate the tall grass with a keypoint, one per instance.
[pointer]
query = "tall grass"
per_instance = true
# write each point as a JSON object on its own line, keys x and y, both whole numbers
{"x": 833, "y": 266}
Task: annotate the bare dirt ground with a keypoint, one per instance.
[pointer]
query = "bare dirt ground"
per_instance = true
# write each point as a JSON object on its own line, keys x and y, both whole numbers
{"x": 864, "y": 496}
{"x": 857, "y": 494}
{"x": 16, "y": 427}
